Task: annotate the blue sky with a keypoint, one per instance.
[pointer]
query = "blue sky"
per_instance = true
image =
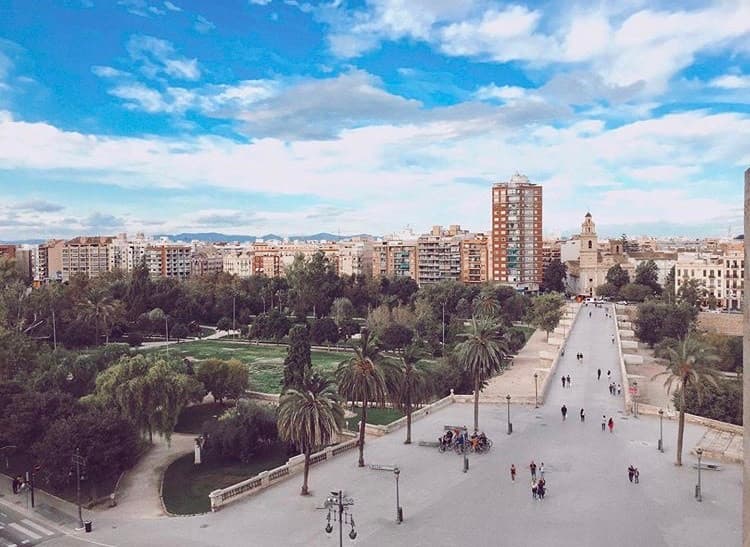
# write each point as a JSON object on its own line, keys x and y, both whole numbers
{"x": 257, "y": 116}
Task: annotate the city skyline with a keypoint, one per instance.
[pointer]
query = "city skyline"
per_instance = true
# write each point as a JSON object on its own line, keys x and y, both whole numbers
{"x": 185, "y": 117}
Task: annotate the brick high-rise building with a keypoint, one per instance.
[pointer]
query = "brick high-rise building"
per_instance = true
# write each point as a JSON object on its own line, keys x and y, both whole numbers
{"x": 517, "y": 233}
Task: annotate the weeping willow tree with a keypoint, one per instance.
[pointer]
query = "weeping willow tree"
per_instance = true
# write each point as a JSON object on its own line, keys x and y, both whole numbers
{"x": 148, "y": 390}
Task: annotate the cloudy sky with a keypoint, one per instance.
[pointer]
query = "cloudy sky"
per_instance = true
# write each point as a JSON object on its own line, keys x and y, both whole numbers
{"x": 257, "y": 116}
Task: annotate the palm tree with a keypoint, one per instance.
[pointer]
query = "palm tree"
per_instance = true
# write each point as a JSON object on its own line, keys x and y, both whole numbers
{"x": 362, "y": 378}
{"x": 97, "y": 308}
{"x": 310, "y": 417}
{"x": 481, "y": 354}
{"x": 486, "y": 305}
{"x": 409, "y": 384}
{"x": 689, "y": 365}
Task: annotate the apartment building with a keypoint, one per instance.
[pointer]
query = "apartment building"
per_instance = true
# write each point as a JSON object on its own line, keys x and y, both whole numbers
{"x": 168, "y": 260}
{"x": 721, "y": 275}
{"x": 125, "y": 254}
{"x": 394, "y": 258}
{"x": 474, "y": 251}
{"x": 206, "y": 261}
{"x": 517, "y": 233}
{"x": 439, "y": 255}
{"x": 48, "y": 265}
{"x": 355, "y": 257}
{"x": 8, "y": 252}
{"x": 85, "y": 255}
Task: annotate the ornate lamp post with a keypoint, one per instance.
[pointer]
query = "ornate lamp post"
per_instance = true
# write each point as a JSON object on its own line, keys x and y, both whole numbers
{"x": 536, "y": 391}
{"x": 510, "y": 425}
{"x": 78, "y": 461}
{"x": 338, "y": 508}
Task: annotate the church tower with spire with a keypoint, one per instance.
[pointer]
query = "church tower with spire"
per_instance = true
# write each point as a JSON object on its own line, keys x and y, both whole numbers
{"x": 589, "y": 256}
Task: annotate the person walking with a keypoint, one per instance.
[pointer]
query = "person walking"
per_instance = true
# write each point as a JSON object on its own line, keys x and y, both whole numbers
{"x": 611, "y": 424}
{"x": 564, "y": 411}
{"x": 598, "y": 374}
{"x": 513, "y": 472}
{"x": 532, "y": 468}
{"x": 563, "y": 381}
{"x": 604, "y": 422}
{"x": 631, "y": 472}
{"x": 609, "y": 375}
{"x": 540, "y": 491}
{"x": 568, "y": 380}
{"x": 613, "y": 338}
{"x": 541, "y": 471}
{"x": 619, "y": 389}
{"x": 533, "y": 489}
{"x": 583, "y": 416}
{"x": 636, "y": 475}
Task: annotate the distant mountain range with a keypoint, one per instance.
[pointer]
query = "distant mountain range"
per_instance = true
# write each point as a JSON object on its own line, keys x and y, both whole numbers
{"x": 215, "y": 237}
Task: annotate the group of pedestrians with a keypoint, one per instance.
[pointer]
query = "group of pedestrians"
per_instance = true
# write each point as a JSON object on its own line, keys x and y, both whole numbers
{"x": 538, "y": 482}
{"x": 608, "y": 423}
{"x": 579, "y": 356}
{"x": 566, "y": 380}
{"x": 615, "y": 389}
{"x": 633, "y": 474}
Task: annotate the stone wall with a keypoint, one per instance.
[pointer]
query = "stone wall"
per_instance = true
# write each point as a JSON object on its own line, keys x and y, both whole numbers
{"x": 722, "y": 323}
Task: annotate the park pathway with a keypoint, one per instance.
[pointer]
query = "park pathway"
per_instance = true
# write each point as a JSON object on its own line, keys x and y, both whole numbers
{"x": 140, "y": 488}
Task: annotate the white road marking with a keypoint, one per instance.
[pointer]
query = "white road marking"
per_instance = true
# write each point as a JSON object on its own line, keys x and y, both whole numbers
{"x": 25, "y": 531}
{"x": 42, "y": 529}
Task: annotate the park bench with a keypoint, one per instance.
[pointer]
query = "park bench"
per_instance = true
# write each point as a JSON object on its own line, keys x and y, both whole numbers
{"x": 709, "y": 466}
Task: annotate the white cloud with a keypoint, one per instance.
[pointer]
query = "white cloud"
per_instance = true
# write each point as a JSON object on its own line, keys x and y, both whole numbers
{"x": 108, "y": 72}
{"x": 503, "y": 93}
{"x": 731, "y": 81}
{"x": 157, "y": 57}
{"x": 259, "y": 2}
{"x": 203, "y": 25}
{"x": 378, "y": 173}
{"x": 172, "y": 7}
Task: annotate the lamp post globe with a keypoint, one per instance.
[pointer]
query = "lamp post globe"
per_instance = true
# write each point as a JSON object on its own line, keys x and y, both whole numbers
{"x": 510, "y": 426}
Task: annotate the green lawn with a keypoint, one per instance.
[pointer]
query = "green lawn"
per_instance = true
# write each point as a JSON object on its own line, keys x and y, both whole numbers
{"x": 375, "y": 416}
{"x": 265, "y": 363}
{"x": 186, "y": 486}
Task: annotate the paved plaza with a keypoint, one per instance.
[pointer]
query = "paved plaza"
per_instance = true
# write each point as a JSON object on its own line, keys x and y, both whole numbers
{"x": 589, "y": 503}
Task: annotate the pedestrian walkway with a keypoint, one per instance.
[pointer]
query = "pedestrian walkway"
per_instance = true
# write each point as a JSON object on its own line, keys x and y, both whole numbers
{"x": 17, "y": 530}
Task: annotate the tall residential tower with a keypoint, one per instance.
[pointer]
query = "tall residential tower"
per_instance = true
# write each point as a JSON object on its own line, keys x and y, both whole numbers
{"x": 517, "y": 233}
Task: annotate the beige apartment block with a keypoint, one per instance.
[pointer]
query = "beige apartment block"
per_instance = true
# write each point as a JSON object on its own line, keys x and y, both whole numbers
{"x": 721, "y": 275}
{"x": 125, "y": 254}
{"x": 439, "y": 255}
{"x": 49, "y": 261}
{"x": 394, "y": 258}
{"x": 355, "y": 257}
{"x": 474, "y": 251}
{"x": 206, "y": 261}
{"x": 85, "y": 255}
{"x": 517, "y": 233}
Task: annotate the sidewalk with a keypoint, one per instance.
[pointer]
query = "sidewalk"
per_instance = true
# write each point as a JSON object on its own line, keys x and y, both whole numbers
{"x": 55, "y": 510}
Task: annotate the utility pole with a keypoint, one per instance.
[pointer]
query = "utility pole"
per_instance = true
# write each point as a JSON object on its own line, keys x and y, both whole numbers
{"x": 234, "y": 320}
{"x": 78, "y": 461}
{"x": 166, "y": 332}
{"x": 443, "y": 328}
{"x": 54, "y": 331}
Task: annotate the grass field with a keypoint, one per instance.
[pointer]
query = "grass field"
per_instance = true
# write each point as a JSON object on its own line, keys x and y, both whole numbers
{"x": 375, "y": 416}
{"x": 265, "y": 363}
{"x": 186, "y": 486}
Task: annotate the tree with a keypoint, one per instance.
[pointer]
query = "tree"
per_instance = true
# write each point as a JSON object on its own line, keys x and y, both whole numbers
{"x": 324, "y": 330}
{"x": 298, "y": 362}
{"x": 658, "y": 320}
{"x": 342, "y": 311}
{"x": 607, "y": 290}
{"x": 553, "y": 278}
{"x": 396, "y": 337}
{"x": 310, "y": 417}
{"x": 241, "y": 432}
{"x": 633, "y": 292}
{"x": 617, "y": 276}
{"x": 481, "y": 355}
{"x": 179, "y": 332}
{"x": 314, "y": 284}
{"x": 721, "y": 402}
{"x": 486, "y": 305}
{"x": 223, "y": 379}
{"x": 647, "y": 273}
{"x": 362, "y": 378}
{"x": 139, "y": 291}
{"x": 410, "y": 384}
{"x": 691, "y": 292}
{"x": 107, "y": 441}
{"x": 28, "y": 414}
{"x": 225, "y": 323}
{"x": 689, "y": 366}
{"x": 546, "y": 311}
{"x": 148, "y": 390}
{"x": 99, "y": 309}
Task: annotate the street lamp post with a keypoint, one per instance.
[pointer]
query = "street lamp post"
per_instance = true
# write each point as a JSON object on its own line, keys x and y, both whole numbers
{"x": 510, "y": 425}
{"x": 338, "y": 508}
{"x": 78, "y": 461}
{"x": 698, "y": 493}
{"x": 399, "y": 512}
{"x": 443, "y": 328}
{"x": 661, "y": 430}
{"x": 536, "y": 394}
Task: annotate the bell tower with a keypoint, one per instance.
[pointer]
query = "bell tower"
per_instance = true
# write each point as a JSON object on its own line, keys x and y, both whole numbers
{"x": 589, "y": 256}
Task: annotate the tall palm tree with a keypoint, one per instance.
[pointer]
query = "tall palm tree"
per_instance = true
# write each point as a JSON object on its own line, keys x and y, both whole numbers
{"x": 409, "y": 384}
{"x": 486, "y": 305}
{"x": 310, "y": 417}
{"x": 689, "y": 365}
{"x": 97, "y": 308}
{"x": 362, "y": 378}
{"x": 481, "y": 354}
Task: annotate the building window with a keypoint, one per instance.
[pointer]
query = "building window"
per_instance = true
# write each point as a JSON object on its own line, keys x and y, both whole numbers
{"x": 589, "y": 244}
